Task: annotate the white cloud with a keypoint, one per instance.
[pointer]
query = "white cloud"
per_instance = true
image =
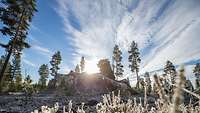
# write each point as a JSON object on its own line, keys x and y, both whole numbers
{"x": 42, "y": 50}
{"x": 33, "y": 39}
{"x": 164, "y": 30}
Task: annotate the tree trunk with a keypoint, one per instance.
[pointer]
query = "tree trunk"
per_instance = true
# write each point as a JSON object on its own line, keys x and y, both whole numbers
{"x": 11, "y": 47}
{"x": 137, "y": 83}
{"x": 5, "y": 64}
{"x": 113, "y": 67}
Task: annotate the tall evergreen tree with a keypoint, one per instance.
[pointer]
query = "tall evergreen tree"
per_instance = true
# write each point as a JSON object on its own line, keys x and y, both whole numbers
{"x": 28, "y": 87}
{"x": 55, "y": 61}
{"x": 196, "y": 72}
{"x": 134, "y": 58}
{"x": 117, "y": 58}
{"x": 16, "y": 71}
{"x": 16, "y": 16}
{"x": 148, "y": 82}
{"x": 16, "y": 65}
{"x": 44, "y": 73}
{"x": 170, "y": 70}
{"x": 105, "y": 68}
{"x": 18, "y": 82}
{"x": 77, "y": 69}
{"x": 166, "y": 84}
{"x": 82, "y": 64}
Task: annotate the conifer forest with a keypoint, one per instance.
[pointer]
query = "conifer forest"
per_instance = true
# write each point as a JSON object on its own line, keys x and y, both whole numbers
{"x": 99, "y": 56}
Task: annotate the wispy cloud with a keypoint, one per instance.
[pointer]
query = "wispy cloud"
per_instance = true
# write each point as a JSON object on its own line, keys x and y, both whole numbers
{"x": 164, "y": 30}
{"x": 33, "y": 39}
{"x": 33, "y": 27}
{"x": 37, "y": 45}
{"x": 38, "y": 30}
{"x": 42, "y": 50}
{"x": 28, "y": 62}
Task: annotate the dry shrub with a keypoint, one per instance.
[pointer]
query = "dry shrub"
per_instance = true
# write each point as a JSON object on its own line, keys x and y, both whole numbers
{"x": 114, "y": 104}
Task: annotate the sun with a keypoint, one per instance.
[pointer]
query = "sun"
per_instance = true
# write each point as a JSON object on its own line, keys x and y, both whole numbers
{"x": 91, "y": 67}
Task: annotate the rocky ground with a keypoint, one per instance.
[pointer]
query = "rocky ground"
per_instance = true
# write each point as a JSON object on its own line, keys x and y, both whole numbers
{"x": 90, "y": 87}
{"x": 20, "y": 104}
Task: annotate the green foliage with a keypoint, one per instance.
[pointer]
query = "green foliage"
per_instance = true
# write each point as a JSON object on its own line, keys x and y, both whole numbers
{"x": 8, "y": 78}
{"x": 170, "y": 70}
{"x": 105, "y": 68}
{"x": 55, "y": 61}
{"x": 141, "y": 83}
{"x": 148, "y": 82}
{"x": 15, "y": 16}
{"x": 197, "y": 82}
{"x": 117, "y": 58}
{"x": 189, "y": 86}
{"x": 18, "y": 83}
{"x": 16, "y": 65}
{"x": 28, "y": 80}
{"x": 44, "y": 73}
{"x": 196, "y": 70}
{"x": 28, "y": 87}
{"x": 82, "y": 64}
{"x": 12, "y": 86}
{"x": 36, "y": 87}
{"x": 7, "y": 73}
{"x": 16, "y": 72}
{"x": 134, "y": 58}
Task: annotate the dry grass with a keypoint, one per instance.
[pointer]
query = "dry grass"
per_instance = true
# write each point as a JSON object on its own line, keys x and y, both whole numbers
{"x": 114, "y": 104}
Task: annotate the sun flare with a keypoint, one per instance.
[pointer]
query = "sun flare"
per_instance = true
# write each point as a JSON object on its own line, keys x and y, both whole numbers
{"x": 91, "y": 67}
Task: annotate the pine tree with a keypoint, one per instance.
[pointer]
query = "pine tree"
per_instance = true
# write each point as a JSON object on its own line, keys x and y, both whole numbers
{"x": 148, "y": 82}
{"x": 166, "y": 84}
{"x": 117, "y": 58}
{"x": 28, "y": 80}
{"x": 189, "y": 86}
{"x": 55, "y": 61}
{"x": 16, "y": 71}
{"x": 82, "y": 64}
{"x": 18, "y": 83}
{"x": 171, "y": 71}
{"x": 141, "y": 83}
{"x": 16, "y": 65}
{"x": 28, "y": 87}
{"x": 16, "y": 16}
{"x": 196, "y": 72}
{"x": 8, "y": 78}
{"x": 134, "y": 58}
{"x": 105, "y": 68}
{"x": 77, "y": 69}
{"x": 44, "y": 73}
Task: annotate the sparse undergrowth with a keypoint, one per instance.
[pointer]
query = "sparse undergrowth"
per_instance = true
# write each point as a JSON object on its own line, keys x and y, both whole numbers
{"x": 112, "y": 103}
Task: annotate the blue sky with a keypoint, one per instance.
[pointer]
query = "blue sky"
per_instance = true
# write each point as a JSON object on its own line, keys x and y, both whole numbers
{"x": 164, "y": 30}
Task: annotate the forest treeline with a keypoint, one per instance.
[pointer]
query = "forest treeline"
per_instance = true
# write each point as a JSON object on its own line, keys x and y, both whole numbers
{"x": 16, "y": 17}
